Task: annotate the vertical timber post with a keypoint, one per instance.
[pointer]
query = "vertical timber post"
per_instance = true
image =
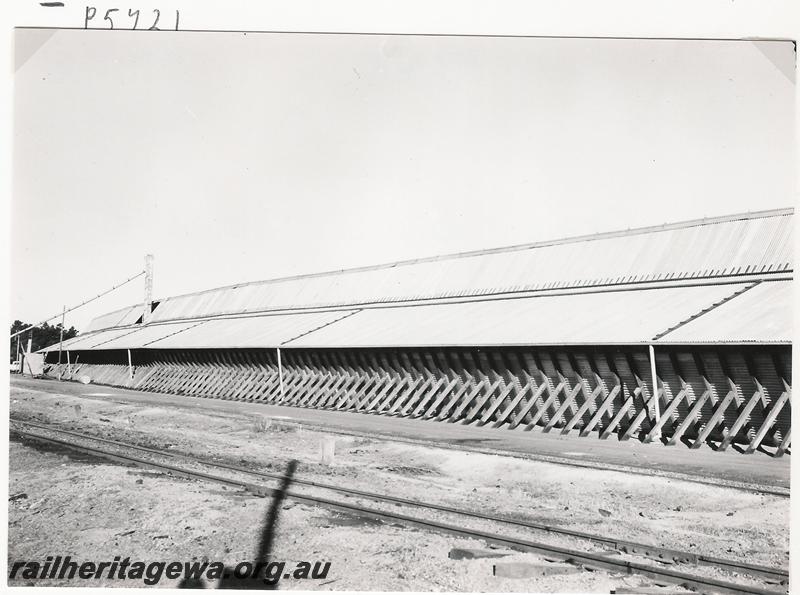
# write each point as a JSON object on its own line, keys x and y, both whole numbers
{"x": 655, "y": 388}
{"x": 148, "y": 288}
{"x": 280, "y": 371}
{"x": 30, "y": 344}
{"x": 130, "y": 369}
{"x": 61, "y": 340}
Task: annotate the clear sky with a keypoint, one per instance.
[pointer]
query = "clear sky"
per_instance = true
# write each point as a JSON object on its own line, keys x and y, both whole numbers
{"x": 237, "y": 157}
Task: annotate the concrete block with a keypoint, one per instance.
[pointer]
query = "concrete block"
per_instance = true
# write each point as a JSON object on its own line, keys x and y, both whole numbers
{"x": 460, "y": 553}
{"x": 672, "y": 590}
{"x": 327, "y": 450}
{"x": 530, "y": 569}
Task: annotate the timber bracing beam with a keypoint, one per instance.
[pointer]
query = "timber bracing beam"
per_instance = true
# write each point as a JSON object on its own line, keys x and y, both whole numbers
{"x": 720, "y": 397}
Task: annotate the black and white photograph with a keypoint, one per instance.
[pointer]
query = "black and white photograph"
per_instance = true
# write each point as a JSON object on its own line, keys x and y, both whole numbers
{"x": 370, "y": 311}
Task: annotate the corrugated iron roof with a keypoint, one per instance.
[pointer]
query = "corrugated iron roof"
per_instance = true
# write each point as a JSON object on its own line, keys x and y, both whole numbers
{"x": 252, "y": 331}
{"x": 145, "y": 335}
{"x": 66, "y": 344}
{"x": 724, "y": 313}
{"x": 762, "y": 314}
{"x": 90, "y": 340}
{"x": 757, "y": 243}
{"x": 121, "y": 317}
{"x": 719, "y": 254}
{"x": 612, "y": 317}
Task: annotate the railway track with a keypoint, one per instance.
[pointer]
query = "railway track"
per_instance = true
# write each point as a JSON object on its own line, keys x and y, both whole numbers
{"x": 253, "y": 481}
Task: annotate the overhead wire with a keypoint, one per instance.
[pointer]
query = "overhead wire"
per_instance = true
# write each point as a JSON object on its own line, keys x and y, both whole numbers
{"x": 99, "y": 295}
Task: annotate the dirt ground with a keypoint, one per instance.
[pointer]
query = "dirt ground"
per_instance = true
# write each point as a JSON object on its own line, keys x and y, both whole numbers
{"x": 95, "y": 510}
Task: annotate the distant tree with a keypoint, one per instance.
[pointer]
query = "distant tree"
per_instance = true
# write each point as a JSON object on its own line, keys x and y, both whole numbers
{"x": 44, "y": 335}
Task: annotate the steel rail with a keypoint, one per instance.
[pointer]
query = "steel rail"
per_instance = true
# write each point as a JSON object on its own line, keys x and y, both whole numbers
{"x": 588, "y": 559}
{"x": 624, "y": 546}
{"x": 621, "y": 545}
{"x": 773, "y": 490}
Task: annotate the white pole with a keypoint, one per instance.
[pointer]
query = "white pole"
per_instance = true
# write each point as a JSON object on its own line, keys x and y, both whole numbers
{"x": 61, "y": 340}
{"x": 655, "y": 386}
{"x": 130, "y": 368}
{"x": 24, "y": 358}
{"x": 280, "y": 371}
{"x": 148, "y": 288}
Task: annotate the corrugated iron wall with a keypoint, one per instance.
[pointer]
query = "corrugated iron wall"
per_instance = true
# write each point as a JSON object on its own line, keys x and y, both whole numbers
{"x": 736, "y": 395}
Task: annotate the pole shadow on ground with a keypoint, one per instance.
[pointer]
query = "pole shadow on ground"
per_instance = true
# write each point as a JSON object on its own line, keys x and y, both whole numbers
{"x": 260, "y": 580}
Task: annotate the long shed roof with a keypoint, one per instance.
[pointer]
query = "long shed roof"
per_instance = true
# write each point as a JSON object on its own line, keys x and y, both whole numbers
{"x": 746, "y": 244}
{"x": 726, "y": 279}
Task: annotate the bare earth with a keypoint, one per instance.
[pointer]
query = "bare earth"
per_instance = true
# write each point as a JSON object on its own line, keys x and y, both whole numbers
{"x": 92, "y": 510}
